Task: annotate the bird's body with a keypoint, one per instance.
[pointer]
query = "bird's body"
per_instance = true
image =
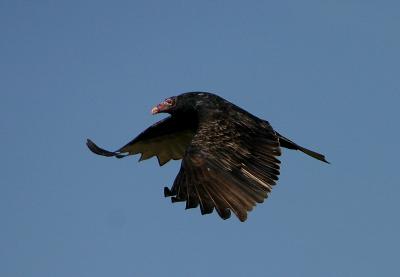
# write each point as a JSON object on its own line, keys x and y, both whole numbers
{"x": 229, "y": 156}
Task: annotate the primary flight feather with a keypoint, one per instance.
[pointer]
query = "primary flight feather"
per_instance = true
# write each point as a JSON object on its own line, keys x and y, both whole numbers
{"x": 229, "y": 156}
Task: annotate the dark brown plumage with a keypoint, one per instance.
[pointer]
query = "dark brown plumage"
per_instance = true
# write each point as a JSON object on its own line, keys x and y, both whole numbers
{"x": 229, "y": 156}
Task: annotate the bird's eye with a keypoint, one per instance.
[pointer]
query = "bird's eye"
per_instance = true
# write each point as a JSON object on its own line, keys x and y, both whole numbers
{"x": 169, "y": 102}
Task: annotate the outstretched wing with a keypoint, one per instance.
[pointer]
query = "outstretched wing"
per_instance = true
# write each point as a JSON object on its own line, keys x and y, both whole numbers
{"x": 229, "y": 166}
{"x": 166, "y": 139}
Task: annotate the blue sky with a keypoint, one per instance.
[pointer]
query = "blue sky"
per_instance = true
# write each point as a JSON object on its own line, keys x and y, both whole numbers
{"x": 324, "y": 73}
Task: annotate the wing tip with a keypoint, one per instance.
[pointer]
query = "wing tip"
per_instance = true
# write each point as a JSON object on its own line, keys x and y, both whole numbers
{"x": 97, "y": 150}
{"x": 325, "y": 160}
{"x": 321, "y": 158}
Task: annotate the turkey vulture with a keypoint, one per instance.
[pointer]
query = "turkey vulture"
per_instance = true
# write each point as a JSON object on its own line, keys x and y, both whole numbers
{"x": 229, "y": 156}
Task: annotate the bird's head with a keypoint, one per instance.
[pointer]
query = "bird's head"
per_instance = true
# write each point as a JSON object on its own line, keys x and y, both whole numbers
{"x": 166, "y": 106}
{"x": 188, "y": 102}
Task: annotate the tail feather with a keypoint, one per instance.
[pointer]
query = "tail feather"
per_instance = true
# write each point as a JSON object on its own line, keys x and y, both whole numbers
{"x": 313, "y": 154}
{"x": 287, "y": 143}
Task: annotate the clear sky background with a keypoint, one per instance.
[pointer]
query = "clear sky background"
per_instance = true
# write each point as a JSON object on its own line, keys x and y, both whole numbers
{"x": 324, "y": 73}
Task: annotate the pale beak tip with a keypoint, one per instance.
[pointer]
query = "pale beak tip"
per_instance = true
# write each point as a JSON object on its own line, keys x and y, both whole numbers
{"x": 154, "y": 110}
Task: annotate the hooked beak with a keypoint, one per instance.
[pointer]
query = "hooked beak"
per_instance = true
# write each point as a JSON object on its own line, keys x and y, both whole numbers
{"x": 159, "y": 108}
{"x": 155, "y": 110}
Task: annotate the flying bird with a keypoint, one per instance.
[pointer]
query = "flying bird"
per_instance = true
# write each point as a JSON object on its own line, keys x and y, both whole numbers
{"x": 229, "y": 156}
